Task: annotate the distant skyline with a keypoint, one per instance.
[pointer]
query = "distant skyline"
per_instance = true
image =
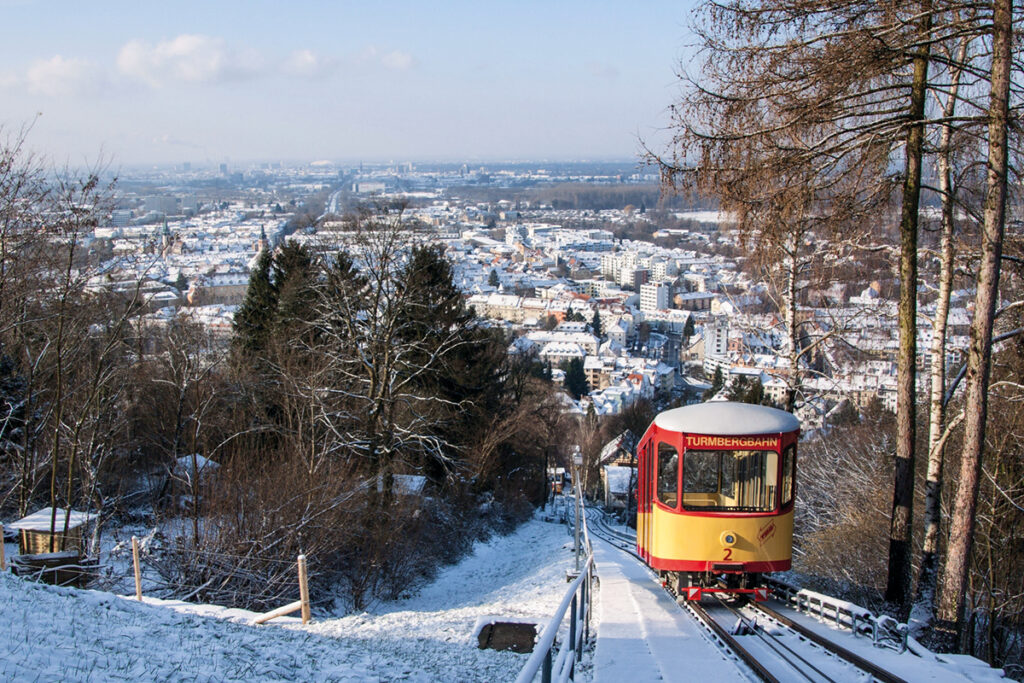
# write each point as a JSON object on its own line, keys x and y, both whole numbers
{"x": 232, "y": 80}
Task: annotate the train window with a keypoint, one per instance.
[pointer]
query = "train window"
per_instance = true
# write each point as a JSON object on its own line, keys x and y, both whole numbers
{"x": 741, "y": 481}
{"x": 788, "y": 460}
{"x": 668, "y": 475}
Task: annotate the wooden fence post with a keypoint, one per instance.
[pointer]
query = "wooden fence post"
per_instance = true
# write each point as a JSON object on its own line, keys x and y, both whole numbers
{"x": 303, "y": 589}
{"x": 138, "y": 570}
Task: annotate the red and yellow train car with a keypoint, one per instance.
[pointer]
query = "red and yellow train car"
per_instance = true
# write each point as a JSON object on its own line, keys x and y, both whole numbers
{"x": 715, "y": 497}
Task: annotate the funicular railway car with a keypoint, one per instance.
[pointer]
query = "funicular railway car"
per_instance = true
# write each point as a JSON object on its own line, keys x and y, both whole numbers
{"x": 715, "y": 497}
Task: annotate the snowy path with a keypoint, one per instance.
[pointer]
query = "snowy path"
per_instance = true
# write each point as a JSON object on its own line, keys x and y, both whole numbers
{"x": 642, "y": 634}
{"x": 58, "y": 634}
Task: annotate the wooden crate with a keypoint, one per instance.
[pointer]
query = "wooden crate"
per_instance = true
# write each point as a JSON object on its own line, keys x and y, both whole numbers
{"x": 66, "y": 568}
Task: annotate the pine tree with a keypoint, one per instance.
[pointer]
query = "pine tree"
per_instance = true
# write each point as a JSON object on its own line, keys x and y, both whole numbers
{"x": 493, "y": 280}
{"x": 688, "y": 329}
{"x": 716, "y": 385}
{"x": 255, "y": 317}
{"x": 576, "y": 379}
{"x": 595, "y": 324}
{"x": 293, "y": 280}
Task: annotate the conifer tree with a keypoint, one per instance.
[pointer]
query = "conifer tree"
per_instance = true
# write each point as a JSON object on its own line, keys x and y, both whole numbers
{"x": 716, "y": 385}
{"x": 576, "y": 379}
{"x": 255, "y": 317}
{"x": 294, "y": 276}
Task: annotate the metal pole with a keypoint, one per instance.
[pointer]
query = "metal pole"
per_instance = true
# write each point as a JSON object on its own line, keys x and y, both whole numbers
{"x": 545, "y": 670}
{"x": 586, "y": 604}
{"x": 573, "y": 627}
{"x": 576, "y": 490}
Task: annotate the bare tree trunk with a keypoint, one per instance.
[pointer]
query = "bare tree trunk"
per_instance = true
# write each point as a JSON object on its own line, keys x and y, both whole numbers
{"x": 793, "y": 339}
{"x": 898, "y": 588}
{"x": 979, "y": 361}
{"x": 925, "y": 601}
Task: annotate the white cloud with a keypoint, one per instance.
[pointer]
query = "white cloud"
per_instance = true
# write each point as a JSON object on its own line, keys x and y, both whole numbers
{"x": 187, "y": 58}
{"x": 400, "y": 61}
{"x": 308, "y": 64}
{"x": 393, "y": 59}
{"x": 58, "y": 76}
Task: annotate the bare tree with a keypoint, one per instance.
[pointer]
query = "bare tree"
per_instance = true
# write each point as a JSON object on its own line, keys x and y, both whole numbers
{"x": 961, "y": 535}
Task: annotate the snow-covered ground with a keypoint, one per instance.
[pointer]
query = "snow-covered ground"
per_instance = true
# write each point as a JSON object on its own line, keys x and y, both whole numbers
{"x": 62, "y": 634}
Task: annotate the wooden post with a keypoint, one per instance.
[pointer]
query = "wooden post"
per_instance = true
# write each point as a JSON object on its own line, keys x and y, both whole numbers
{"x": 3, "y": 561}
{"x": 138, "y": 570}
{"x": 303, "y": 589}
{"x": 279, "y": 612}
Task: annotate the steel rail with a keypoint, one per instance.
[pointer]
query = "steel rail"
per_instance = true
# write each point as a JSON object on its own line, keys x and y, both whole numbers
{"x": 856, "y": 660}
{"x": 785, "y": 653}
{"x": 729, "y": 641}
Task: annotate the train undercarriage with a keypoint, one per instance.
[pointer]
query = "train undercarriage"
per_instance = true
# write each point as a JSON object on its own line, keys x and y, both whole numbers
{"x": 727, "y": 582}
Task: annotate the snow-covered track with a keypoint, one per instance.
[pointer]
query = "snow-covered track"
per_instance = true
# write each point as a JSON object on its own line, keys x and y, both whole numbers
{"x": 876, "y": 672}
{"x": 784, "y": 650}
{"x": 597, "y": 521}
{"x": 728, "y": 641}
{"x": 776, "y": 648}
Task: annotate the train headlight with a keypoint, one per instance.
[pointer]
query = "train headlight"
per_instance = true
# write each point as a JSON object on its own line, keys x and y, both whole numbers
{"x": 729, "y": 538}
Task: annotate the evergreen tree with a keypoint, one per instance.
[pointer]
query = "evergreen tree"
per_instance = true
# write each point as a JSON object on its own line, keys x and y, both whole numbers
{"x": 255, "y": 317}
{"x": 493, "y": 280}
{"x": 716, "y": 385}
{"x": 576, "y": 379}
{"x": 745, "y": 390}
{"x": 688, "y": 329}
{"x": 293, "y": 280}
{"x": 595, "y": 324}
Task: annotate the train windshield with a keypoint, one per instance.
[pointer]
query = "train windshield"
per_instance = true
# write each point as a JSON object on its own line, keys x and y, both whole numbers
{"x": 731, "y": 481}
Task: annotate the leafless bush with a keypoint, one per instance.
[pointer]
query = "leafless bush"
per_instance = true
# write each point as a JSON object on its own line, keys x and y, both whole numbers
{"x": 258, "y": 517}
{"x": 843, "y": 504}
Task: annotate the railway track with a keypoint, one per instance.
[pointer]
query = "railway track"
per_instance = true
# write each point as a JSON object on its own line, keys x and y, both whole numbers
{"x": 773, "y": 646}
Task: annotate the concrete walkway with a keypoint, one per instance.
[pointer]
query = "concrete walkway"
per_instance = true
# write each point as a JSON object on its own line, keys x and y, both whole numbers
{"x": 642, "y": 635}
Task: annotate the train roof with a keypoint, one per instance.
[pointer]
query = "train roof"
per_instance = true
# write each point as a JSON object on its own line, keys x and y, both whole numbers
{"x": 725, "y": 418}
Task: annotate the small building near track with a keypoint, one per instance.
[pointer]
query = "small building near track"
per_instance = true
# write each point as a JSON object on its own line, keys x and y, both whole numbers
{"x": 615, "y": 482}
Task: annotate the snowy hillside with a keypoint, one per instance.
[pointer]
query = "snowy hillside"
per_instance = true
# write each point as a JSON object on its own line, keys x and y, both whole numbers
{"x": 52, "y": 634}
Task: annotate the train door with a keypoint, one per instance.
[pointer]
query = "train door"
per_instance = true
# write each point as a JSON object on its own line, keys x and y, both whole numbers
{"x": 643, "y": 499}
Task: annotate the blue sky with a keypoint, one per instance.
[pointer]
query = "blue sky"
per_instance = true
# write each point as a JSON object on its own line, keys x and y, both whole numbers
{"x": 225, "y": 80}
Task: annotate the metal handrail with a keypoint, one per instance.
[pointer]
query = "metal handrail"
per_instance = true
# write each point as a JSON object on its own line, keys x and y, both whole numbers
{"x": 884, "y": 631}
{"x": 577, "y": 601}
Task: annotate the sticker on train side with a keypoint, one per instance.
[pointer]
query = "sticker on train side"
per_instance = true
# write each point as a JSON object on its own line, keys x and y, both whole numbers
{"x": 766, "y": 532}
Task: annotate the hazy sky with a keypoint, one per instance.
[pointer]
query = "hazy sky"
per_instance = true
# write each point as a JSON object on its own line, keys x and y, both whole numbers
{"x": 219, "y": 80}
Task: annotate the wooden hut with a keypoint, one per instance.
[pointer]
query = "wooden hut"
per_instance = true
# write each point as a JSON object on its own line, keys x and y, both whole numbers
{"x": 49, "y": 553}
{"x": 34, "y": 531}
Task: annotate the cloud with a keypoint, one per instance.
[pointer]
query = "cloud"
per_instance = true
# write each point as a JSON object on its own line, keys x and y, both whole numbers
{"x": 58, "y": 76}
{"x": 396, "y": 60}
{"x": 188, "y": 58}
{"x": 308, "y": 64}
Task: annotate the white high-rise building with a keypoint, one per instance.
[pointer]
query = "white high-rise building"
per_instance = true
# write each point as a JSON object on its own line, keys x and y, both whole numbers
{"x": 716, "y": 337}
{"x": 654, "y": 296}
